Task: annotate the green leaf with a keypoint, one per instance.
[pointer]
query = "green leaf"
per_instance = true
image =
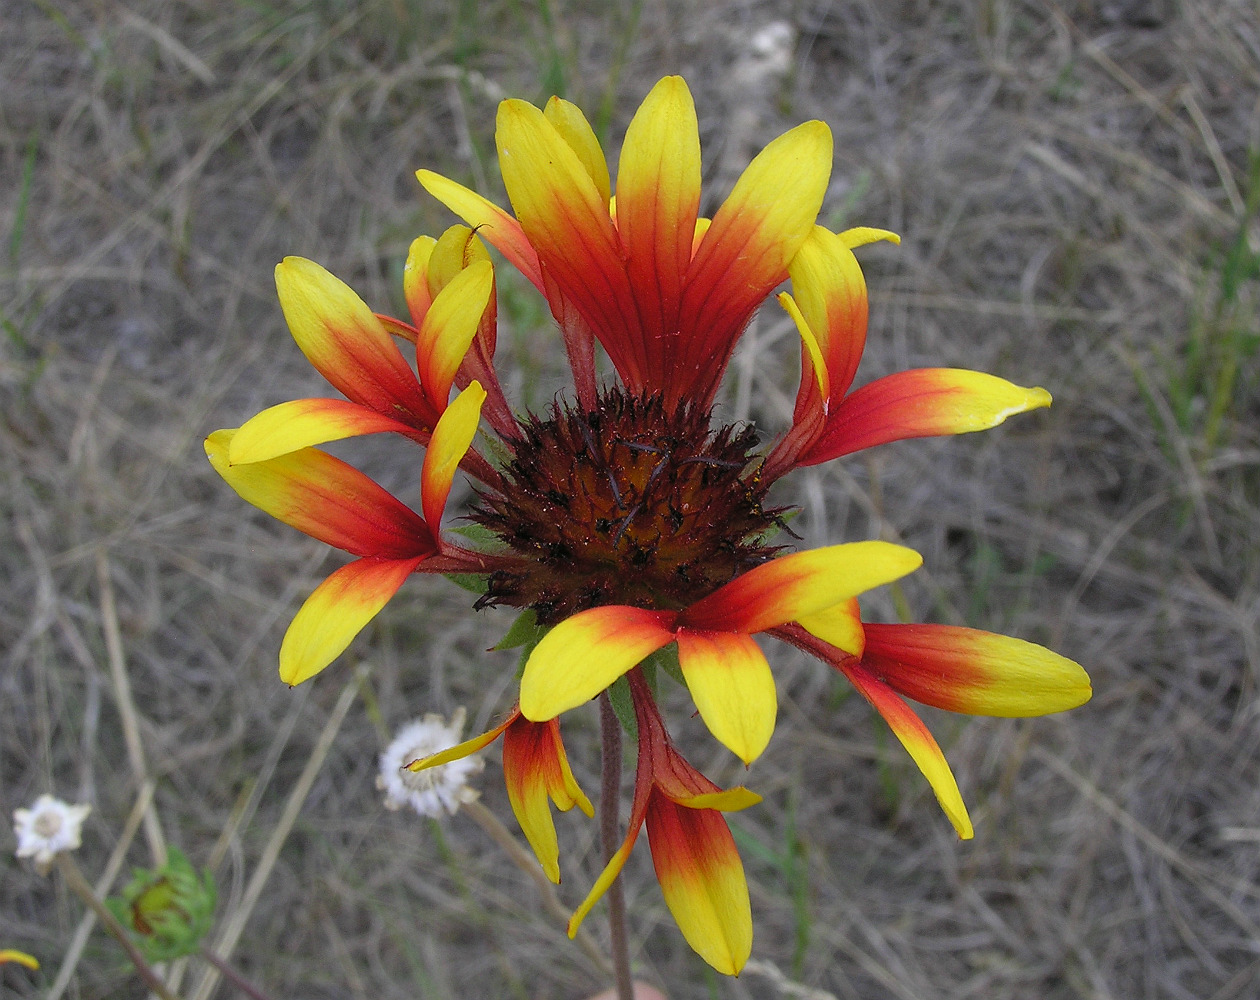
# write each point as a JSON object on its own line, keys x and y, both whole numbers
{"x": 623, "y": 705}
{"x": 524, "y": 631}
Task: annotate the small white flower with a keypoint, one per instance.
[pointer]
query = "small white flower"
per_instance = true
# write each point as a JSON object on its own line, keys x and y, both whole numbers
{"x": 438, "y": 789}
{"x": 46, "y": 829}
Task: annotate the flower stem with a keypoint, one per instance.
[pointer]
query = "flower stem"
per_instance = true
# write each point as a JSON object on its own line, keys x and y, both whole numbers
{"x": 232, "y": 975}
{"x": 80, "y": 887}
{"x": 609, "y": 798}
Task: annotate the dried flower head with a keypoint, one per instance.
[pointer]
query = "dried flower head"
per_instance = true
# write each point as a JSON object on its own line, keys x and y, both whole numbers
{"x": 437, "y": 790}
{"x": 46, "y": 829}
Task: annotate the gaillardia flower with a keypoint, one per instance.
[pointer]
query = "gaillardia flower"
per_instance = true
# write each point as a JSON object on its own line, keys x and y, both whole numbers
{"x": 625, "y": 520}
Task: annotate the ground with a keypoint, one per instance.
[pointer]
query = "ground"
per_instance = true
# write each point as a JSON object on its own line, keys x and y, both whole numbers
{"x": 1076, "y": 188}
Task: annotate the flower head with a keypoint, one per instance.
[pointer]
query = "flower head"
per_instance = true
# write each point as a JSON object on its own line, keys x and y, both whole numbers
{"x": 46, "y": 829}
{"x": 626, "y": 518}
{"x": 438, "y": 790}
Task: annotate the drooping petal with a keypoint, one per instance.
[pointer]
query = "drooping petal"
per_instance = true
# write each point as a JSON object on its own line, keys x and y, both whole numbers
{"x": 448, "y": 330}
{"x": 978, "y": 673}
{"x": 337, "y": 611}
{"x": 702, "y": 880}
{"x": 416, "y": 278}
{"x": 462, "y": 750}
{"x": 345, "y": 342}
{"x": 567, "y": 222}
{"x": 492, "y": 223}
{"x": 582, "y": 655}
{"x": 923, "y": 402}
{"x": 575, "y": 130}
{"x": 840, "y": 625}
{"x": 746, "y": 250}
{"x": 451, "y": 440}
{"x": 786, "y": 588}
{"x": 20, "y": 957}
{"x": 327, "y": 499}
{"x": 731, "y": 684}
{"x": 536, "y": 768}
{"x": 658, "y": 199}
{"x": 301, "y": 423}
{"x": 918, "y": 741}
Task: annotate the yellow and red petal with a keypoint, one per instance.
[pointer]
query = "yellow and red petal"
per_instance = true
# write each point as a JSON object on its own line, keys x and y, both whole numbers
{"x": 327, "y": 499}
{"x": 918, "y": 741}
{"x": 923, "y": 402}
{"x": 337, "y": 611}
{"x": 746, "y": 250}
{"x": 345, "y": 341}
{"x": 733, "y": 688}
{"x": 974, "y": 672}
{"x": 784, "y": 589}
{"x": 535, "y": 769}
{"x": 456, "y": 249}
{"x": 574, "y": 129}
{"x": 448, "y": 330}
{"x": 567, "y": 222}
{"x": 302, "y": 423}
{"x": 416, "y": 279}
{"x": 702, "y": 880}
{"x": 829, "y": 289}
{"x": 20, "y": 957}
{"x": 496, "y": 226}
{"x": 451, "y": 440}
{"x": 840, "y": 625}
{"x": 584, "y": 654}
{"x": 658, "y": 199}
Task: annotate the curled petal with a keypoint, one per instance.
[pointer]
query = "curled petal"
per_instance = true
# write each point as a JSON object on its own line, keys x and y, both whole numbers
{"x": 839, "y": 625}
{"x": 496, "y": 226}
{"x": 535, "y": 768}
{"x": 923, "y": 402}
{"x": 726, "y": 800}
{"x": 337, "y": 611}
{"x": 416, "y": 278}
{"x": 448, "y": 330}
{"x": 830, "y": 291}
{"x": 813, "y": 350}
{"x": 452, "y": 438}
{"x": 862, "y": 235}
{"x": 702, "y": 880}
{"x": 978, "y": 673}
{"x": 574, "y": 129}
{"x": 301, "y": 423}
{"x": 918, "y": 741}
{"x": 582, "y": 655}
{"x": 731, "y": 684}
{"x": 327, "y": 499}
{"x": 20, "y": 957}
{"x": 784, "y": 589}
{"x": 345, "y": 342}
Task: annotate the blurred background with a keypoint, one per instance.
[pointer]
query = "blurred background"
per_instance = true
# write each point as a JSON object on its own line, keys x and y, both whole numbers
{"x": 1076, "y": 187}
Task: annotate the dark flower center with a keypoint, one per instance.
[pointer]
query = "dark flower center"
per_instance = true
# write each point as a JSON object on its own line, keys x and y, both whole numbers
{"x": 626, "y": 504}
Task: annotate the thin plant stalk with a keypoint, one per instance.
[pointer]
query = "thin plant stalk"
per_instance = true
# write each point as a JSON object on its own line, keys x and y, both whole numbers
{"x": 232, "y": 975}
{"x": 609, "y": 797}
{"x": 79, "y": 886}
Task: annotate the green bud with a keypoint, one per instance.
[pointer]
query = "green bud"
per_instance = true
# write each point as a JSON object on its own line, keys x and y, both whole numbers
{"x": 166, "y": 910}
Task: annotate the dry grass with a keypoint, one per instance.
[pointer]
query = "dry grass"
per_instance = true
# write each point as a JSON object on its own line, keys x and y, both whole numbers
{"x": 1069, "y": 180}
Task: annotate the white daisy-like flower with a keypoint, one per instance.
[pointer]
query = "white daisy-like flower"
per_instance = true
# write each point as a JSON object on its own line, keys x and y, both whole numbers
{"x": 46, "y": 829}
{"x": 439, "y": 789}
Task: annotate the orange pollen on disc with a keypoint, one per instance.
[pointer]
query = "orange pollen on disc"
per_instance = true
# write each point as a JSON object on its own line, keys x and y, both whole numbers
{"x": 625, "y": 504}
